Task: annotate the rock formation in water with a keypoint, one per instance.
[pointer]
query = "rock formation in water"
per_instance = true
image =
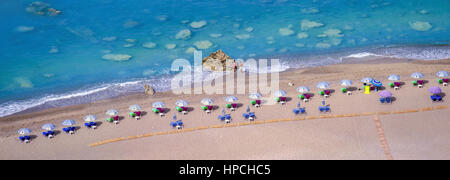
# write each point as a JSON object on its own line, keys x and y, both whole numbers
{"x": 149, "y": 90}
{"x": 218, "y": 61}
{"x": 43, "y": 9}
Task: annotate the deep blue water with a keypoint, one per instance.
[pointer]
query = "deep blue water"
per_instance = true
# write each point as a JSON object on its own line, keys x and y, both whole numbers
{"x": 45, "y": 58}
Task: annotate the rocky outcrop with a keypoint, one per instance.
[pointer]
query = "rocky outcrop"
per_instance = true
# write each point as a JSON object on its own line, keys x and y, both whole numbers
{"x": 149, "y": 90}
{"x": 217, "y": 61}
{"x": 43, "y": 9}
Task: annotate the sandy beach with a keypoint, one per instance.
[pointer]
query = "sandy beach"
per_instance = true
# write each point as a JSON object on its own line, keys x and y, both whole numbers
{"x": 412, "y": 127}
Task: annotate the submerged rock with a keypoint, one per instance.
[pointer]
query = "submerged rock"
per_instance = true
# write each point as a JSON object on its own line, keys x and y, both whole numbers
{"x": 311, "y": 10}
{"x": 190, "y": 50}
{"x": 53, "y": 50}
{"x": 302, "y": 35}
{"x": 286, "y": 31}
{"x": 420, "y": 26}
{"x": 203, "y": 44}
{"x": 128, "y": 45}
{"x": 218, "y": 61}
{"x": 242, "y": 36}
{"x": 43, "y": 9}
{"x": 23, "y": 82}
{"x": 198, "y": 24}
{"x": 215, "y": 35}
{"x": 24, "y": 28}
{"x": 130, "y": 24}
{"x": 323, "y": 45}
{"x": 307, "y": 24}
{"x": 112, "y": 38}
{"x": 171, "y": 46}
{"x": 183, "y": 34}
{"x": 131, "y": 40}
{"x": 117, "y": 57}
{"x": 149, "y": 45}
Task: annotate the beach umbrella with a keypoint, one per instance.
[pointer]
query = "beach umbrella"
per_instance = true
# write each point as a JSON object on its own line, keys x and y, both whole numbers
{"x": 207, "y": 101}
{"x": 393, "y": 77}
{"x": 90, "y": 118}
{"x": 303, "y": 89}
{"x": 417, "y": 75}
{"x": 68, "y": 122}
{"x": 366, "y": 80}
{"x": 48, "y": 127}
{"x": 323, "y": 85}
{"x": 255, "y": 96}
{"x": 280, "y": 93}
{"x": 158, "y": 104}
{"x": 442, "y": 74}
{"x": 181, "y": 103}
{"x": 435, "y": 90}
{"x": 24, "y": 131}
{"x": 112, "y": 112}
{"x": 346, "y": 83}
{"x": 385, "y": 94}
{"x": 135, "y": 107}
{"x": 231, "y": 99}
{"x": 376, "y": 83}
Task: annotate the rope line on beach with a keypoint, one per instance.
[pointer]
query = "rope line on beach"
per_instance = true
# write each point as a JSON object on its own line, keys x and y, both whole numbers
{"x": 267, "y": 122}
{"x": 382, "y": 138}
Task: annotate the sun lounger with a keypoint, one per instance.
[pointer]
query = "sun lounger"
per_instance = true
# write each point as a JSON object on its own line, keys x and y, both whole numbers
{"x": 302, "y": 110}
{"x": 232, "y": 107}
{"x": 296, "y": 111}
{"x": 179, "y": 124}
{"x": 396, "y": 85}
{"x": 258, "y": 103}
{"x": 282, "y": 100}
{"x": 299, "y": 111}
{"x": 420, "y": 83}
{"x": 48, "y": 134}
{"x": 327, "y": 93}
{"x": 445, "y": 82}
{"x": 382, "y": 100}
{"x": 227, "y": 118}
{"x": 388, "y": 100}
{"x": 69, "y": 130}
{"x": 245, "y": 115}
{"x": 159, "y": 111}
{"x": 321, "y": 109}
{"x": 251, "y": 116}
{"x": 173, "y": 124}
{"x": 91, "y": 125}
{"x": 222, "y": 118}
{"x": 138, "y": 115}
{"x": 435, "y": 98}
{"x": 322, "y": 93}
{"x": 25, "y": 139}
{"x": 324, "y": 109}
{"x": 115, "y": 119}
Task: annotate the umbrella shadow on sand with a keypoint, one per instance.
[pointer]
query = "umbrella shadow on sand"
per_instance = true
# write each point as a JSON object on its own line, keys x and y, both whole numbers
{"x": 442, "y": 94}
{"x": 33, "y": 137}
{"x": 393, "y": 99}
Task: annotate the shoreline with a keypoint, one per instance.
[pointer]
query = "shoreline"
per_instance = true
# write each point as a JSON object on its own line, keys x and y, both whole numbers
{"x": 83, "y": 96}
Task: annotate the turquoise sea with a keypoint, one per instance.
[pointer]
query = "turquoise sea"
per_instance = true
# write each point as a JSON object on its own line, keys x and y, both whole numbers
{"x": 56, "y": 53}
